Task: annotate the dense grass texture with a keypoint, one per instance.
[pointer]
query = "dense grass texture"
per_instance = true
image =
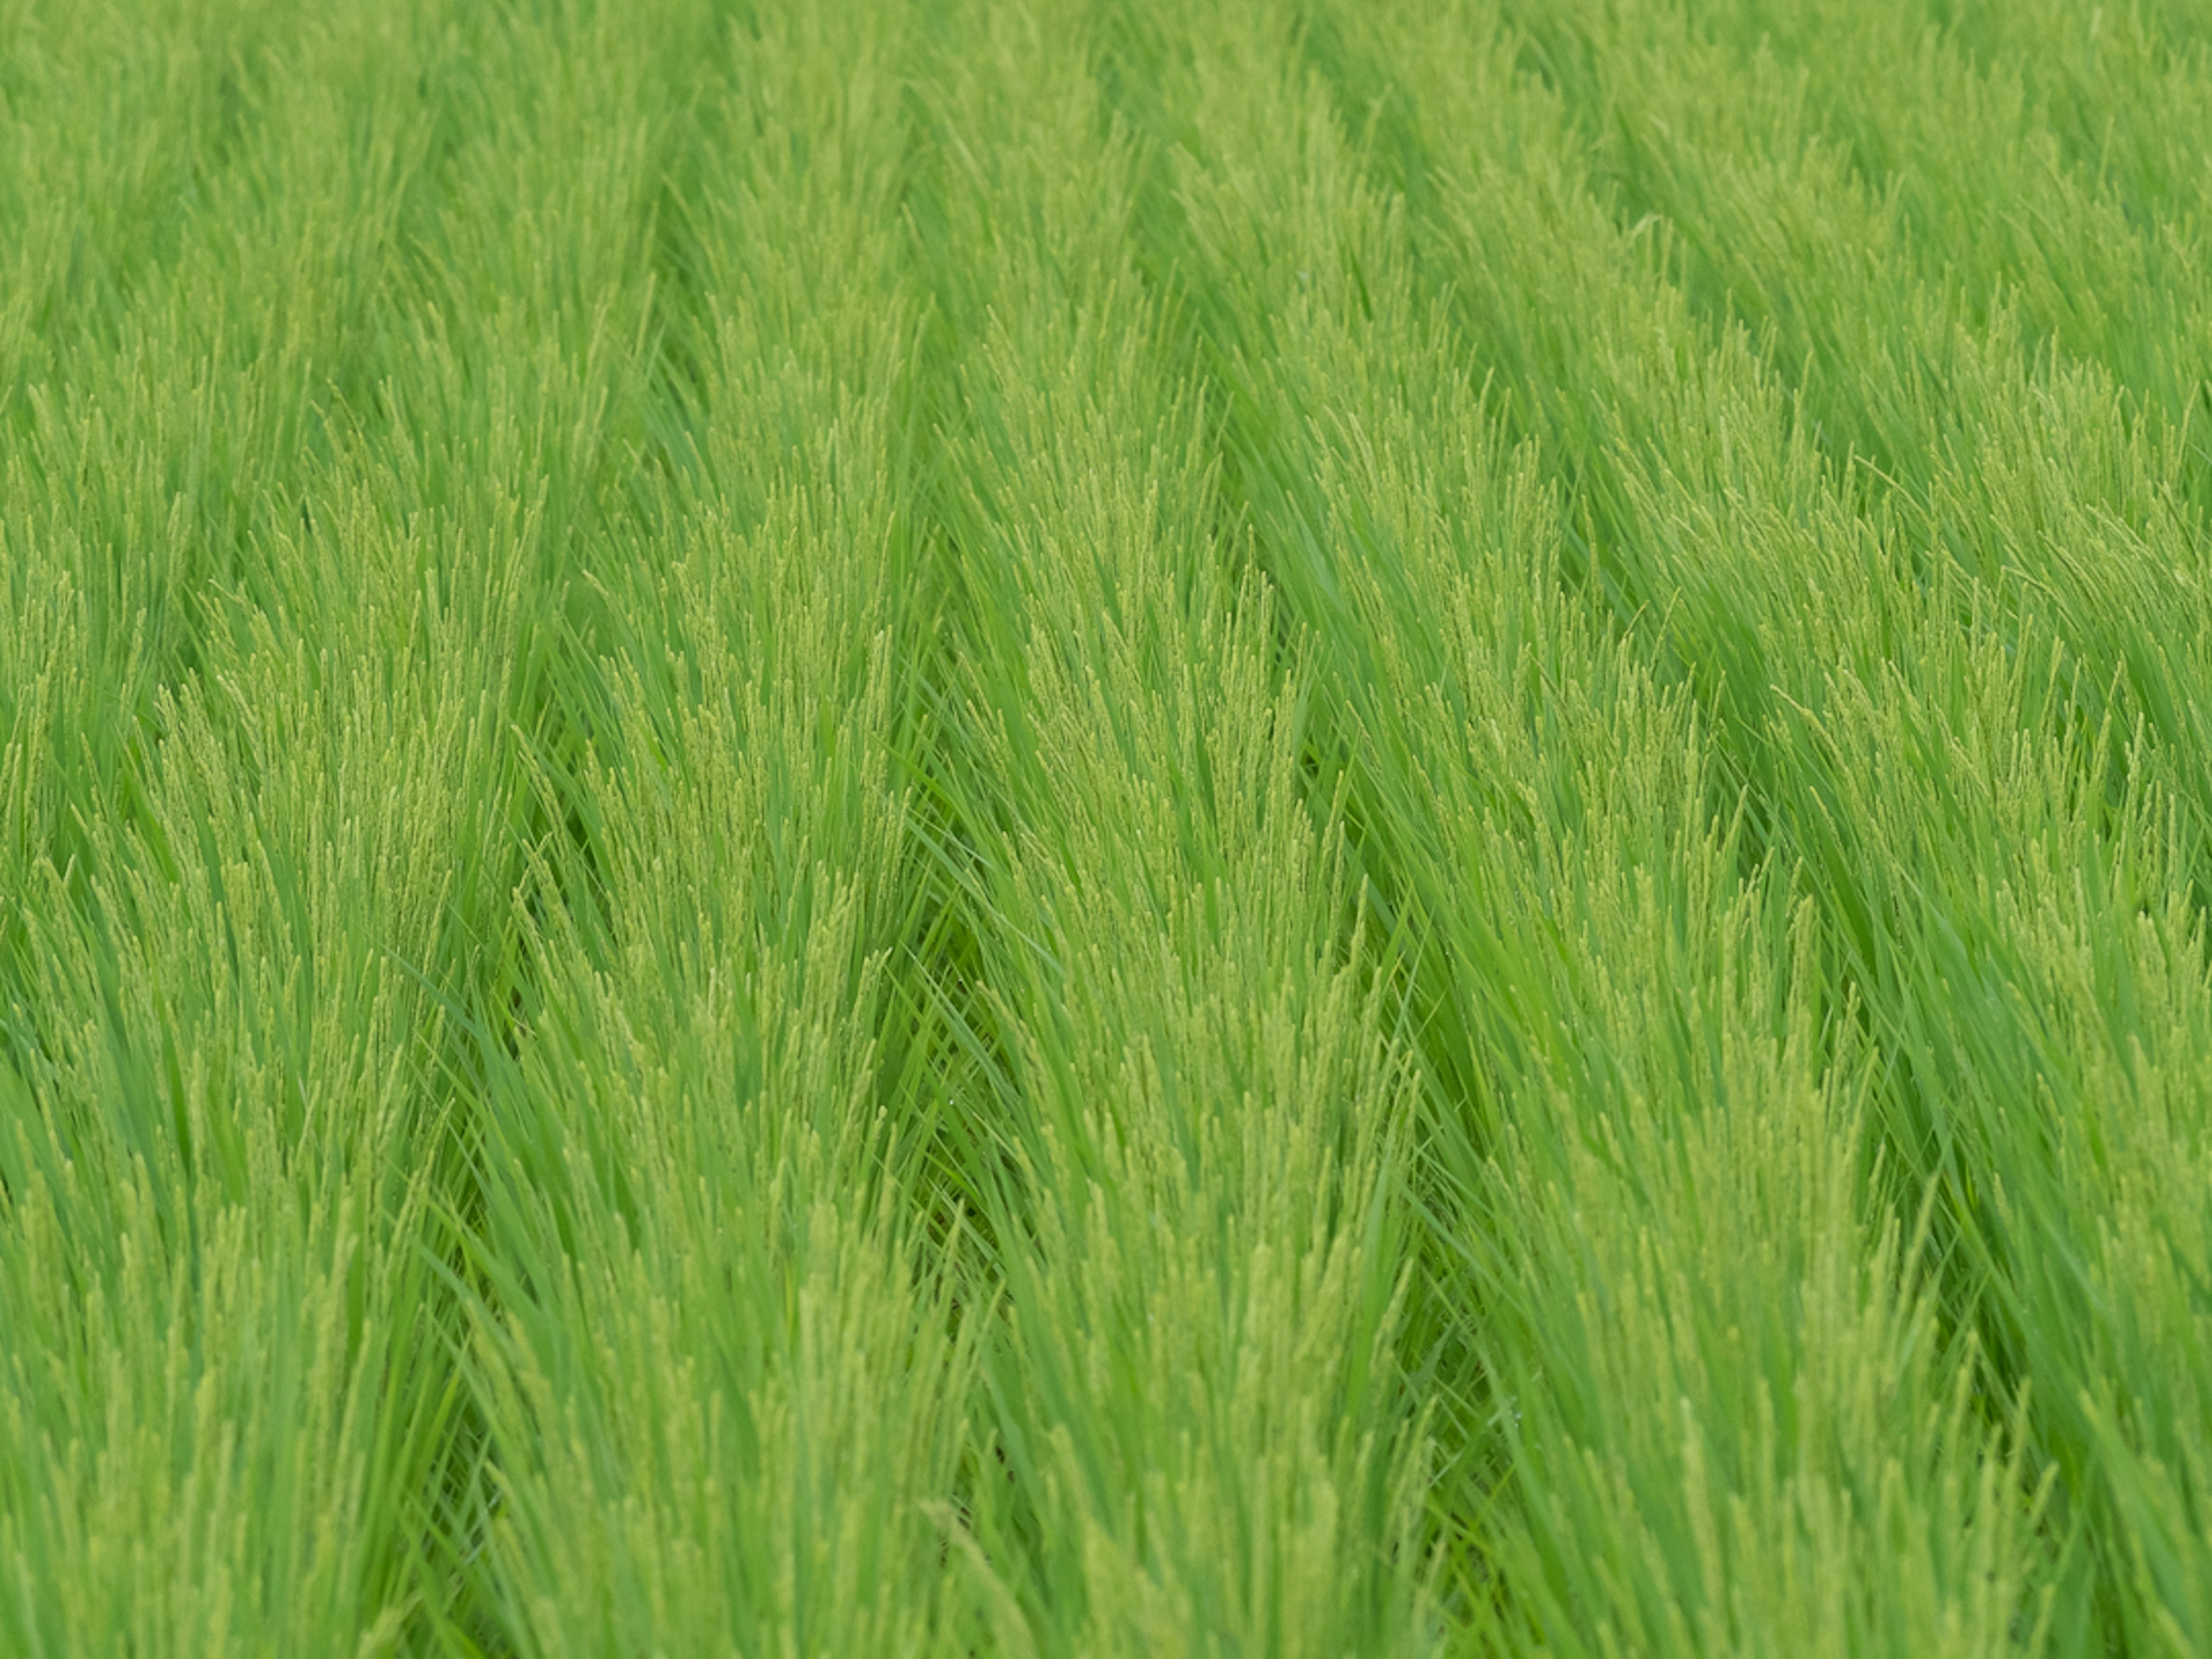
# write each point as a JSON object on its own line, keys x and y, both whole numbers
{"x": 1287, "y": 827}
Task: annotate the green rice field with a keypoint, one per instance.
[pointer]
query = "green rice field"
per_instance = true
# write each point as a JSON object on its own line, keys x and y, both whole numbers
{"x": 1192, "y": 827}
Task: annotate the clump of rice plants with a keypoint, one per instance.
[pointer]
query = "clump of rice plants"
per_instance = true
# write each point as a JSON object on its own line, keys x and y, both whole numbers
{"x": 1280, "y": 828}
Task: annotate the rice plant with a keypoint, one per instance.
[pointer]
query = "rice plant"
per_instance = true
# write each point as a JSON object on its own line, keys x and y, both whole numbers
{"x": 1286, "y": 828}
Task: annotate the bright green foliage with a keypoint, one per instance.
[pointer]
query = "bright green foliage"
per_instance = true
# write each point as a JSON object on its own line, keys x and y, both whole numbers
{"x": 726, "y": 1400}
{"x": 1195, "y": 1392}
{"x": 1281, "y": 828}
